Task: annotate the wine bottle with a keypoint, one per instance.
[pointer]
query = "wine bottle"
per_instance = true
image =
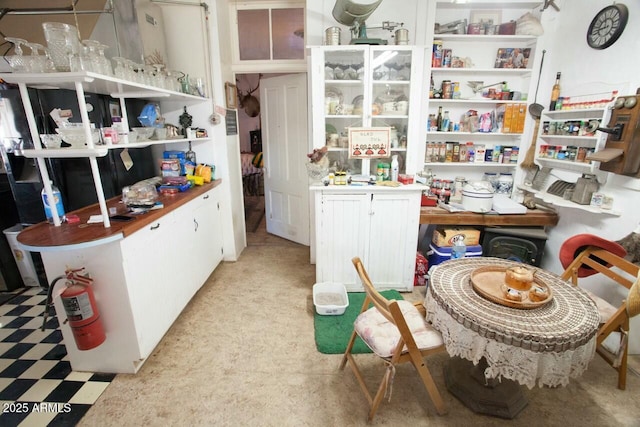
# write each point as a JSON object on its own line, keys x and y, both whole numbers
{"x": 439, "y": 119}
{"x": 555, "y": 93}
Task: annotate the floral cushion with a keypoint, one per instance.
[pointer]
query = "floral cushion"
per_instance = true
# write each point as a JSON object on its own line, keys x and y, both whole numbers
{"x": 382, "y": 336}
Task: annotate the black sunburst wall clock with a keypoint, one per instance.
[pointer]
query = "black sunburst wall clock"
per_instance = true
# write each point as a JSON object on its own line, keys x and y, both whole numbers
{"x": 607, "y": 26}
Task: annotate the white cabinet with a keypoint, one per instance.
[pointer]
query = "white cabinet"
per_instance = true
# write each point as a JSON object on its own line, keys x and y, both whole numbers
{"x": 380, "y": 227}
{"x": 367, "y": 86}
{"x": 142, "y": 282}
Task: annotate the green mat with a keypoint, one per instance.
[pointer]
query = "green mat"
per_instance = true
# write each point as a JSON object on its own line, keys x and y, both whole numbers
{"x": 333, "y": 332}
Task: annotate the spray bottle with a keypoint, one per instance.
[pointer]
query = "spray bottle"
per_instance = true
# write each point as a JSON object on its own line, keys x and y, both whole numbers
{"x": 394, "y": 167}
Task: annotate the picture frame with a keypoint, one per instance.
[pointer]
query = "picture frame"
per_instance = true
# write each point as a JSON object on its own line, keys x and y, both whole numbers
{"x": 486, "y": 17}
{"x": 512, "y": 57}
{"x": 231, "y": 94}
{"x": 369, "y": 143}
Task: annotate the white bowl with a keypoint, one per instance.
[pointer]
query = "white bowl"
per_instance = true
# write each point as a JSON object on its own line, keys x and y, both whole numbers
{"x": 75, "y": 136}
{"x": 144, "y": 133}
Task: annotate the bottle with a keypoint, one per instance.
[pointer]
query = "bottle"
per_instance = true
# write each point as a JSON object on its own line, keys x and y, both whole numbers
{"x": 190, "y": 155}
{"x": 394, "y": 167}
{"x": 555, "y": 93}
{"x": 459, "y": 249}
{"x": 439, "y": 119}
{"x": 445, "y": 122}
{"x": 58, "y": 202}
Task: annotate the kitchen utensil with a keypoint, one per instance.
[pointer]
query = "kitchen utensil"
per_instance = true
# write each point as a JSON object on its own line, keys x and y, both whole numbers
{"x": 535, "y": 110}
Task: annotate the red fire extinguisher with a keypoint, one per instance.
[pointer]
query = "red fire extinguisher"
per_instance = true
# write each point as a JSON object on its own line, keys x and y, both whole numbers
{"x": 82, "y": 312}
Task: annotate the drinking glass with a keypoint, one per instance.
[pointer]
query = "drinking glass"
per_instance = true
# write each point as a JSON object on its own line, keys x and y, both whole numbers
{"x": 121, "y": 71}
{"x": 18, "y": 62}
{"x": 158, "y": 76}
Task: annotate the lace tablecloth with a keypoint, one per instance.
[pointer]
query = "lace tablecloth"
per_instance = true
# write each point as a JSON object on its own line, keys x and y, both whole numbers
{"x": 547, "y": 345}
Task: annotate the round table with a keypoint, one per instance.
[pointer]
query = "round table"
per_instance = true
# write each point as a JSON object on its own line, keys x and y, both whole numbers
{"x": 545, "y": 345}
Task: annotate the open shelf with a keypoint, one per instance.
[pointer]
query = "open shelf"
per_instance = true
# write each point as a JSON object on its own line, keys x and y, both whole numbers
{"x": 475, "y": 134}
{"x": 581, "y": 167}
{"x": 590, "y": 113}
{"x": 96, "y": 83}
{"x": 480, "y": 38}
{"x": 473, "y": 164}
{"x": 474, "y": 101}
{"x": 497, "y": 71}
{"x": 560, "y": 202}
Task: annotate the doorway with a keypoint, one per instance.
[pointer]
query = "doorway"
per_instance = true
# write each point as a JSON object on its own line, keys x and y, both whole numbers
{"x": 273, "y": 145}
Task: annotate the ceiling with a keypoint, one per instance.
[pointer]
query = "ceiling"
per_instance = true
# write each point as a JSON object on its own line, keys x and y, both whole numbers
{"x": 29, "y": 26}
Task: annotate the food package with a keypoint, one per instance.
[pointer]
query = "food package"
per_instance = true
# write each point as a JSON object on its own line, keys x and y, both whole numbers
{"x": 170, "y": 167}
{"x": 196, "y": 180}
{"x": 445, "y": 236}
{"x": 181, "y": 155}
{"x": 205, "y": 171}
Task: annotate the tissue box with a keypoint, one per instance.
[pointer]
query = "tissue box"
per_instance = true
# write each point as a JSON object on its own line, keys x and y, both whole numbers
{"x": 444, "y": 236}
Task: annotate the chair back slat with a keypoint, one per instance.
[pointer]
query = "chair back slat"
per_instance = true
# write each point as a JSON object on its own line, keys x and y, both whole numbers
{"x": 379, "y": 301}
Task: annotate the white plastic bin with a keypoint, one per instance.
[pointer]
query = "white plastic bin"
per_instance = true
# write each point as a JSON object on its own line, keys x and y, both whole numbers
{"x": 330, "y": 298}
{"x": 22, "y": 257}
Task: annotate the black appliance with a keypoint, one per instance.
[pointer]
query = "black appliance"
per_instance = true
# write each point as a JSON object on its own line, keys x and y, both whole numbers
{"x": 521, "y": 244}
{"x": 72, "y": 176}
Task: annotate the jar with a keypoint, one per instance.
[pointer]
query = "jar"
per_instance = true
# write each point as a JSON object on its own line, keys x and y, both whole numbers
{"x": 456, "y": 194}
{"x": 446, "y": 89}
{"x": 505, "y": 184}
{"x": 572, "y": 153}
{"x": 491, "y": 178}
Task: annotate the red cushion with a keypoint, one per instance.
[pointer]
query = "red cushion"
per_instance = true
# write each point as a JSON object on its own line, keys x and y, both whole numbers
{"x": 572, "y": 247}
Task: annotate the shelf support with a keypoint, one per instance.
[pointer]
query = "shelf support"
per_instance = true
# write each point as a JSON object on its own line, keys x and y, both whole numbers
{"x": 92, "y": 160}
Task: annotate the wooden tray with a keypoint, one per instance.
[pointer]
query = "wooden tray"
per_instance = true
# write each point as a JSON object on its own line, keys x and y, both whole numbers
{"x": 489, "y": 282}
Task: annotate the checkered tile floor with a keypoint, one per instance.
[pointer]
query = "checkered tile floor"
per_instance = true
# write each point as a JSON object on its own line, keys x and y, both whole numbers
{"x": 37, "y": 386}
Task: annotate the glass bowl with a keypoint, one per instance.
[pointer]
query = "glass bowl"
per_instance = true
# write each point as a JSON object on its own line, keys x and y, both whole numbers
{"x": 144, "y": 133}
{"x": 74, "y": 136}
{"x": 51, "y": 140}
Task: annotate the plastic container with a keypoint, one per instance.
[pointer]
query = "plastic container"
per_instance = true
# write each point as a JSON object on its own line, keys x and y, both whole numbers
{"x": 330, "y": 298}
{"x": 23, "y": 258}
{"x": 439, "y": 254}
{"x": 57, "y": 197}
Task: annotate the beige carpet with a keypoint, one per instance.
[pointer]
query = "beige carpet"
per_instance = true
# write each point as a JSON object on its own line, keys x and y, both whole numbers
{"x": 243, "y": 353}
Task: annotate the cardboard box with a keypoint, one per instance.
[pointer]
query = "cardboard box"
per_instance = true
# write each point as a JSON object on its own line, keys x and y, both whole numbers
{"x": 444, "y": 236}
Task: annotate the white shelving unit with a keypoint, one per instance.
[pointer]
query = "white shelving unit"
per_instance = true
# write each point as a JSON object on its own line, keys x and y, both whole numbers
{"x": 83, "y": 82}
{"x": 479, "y": 53}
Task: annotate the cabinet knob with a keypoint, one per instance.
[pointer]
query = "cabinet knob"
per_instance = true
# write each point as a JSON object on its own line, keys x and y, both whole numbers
{"x": 206, "y": 197}
{"x": 155, "y": 227}
{"x": 195, "y": 223}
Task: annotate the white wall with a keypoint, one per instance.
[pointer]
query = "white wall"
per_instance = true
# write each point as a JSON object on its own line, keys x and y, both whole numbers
{"x": 582, "y": 66}
{"x": 196, "y": 45}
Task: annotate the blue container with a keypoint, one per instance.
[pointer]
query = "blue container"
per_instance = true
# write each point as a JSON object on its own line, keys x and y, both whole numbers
{"x": 440, "y": 254}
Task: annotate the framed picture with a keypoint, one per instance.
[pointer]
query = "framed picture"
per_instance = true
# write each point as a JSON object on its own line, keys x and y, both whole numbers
{"x": 114, "y": 109}
{"x": 512, "y": 57}
{"x": 369, "y": 143}
{"x": 486, "y": 17}
{"x": 231, "y": 92}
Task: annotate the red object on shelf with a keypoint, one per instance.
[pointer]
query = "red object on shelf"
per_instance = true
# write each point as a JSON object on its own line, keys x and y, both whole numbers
{"x": 429, "y": 201}
{"x": 405, "y": 179}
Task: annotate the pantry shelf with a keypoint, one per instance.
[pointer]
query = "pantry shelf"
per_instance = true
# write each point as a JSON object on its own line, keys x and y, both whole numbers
{"x": 560, "y": 202}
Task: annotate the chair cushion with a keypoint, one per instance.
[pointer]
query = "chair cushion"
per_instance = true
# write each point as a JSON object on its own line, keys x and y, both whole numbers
{"x": 605, "y": 309}
{"x": 382, "y": 336}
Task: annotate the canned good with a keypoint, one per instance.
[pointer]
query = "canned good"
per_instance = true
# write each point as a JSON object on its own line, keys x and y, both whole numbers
{"x": 446, "y": 89}
{"x": 332, "y": 36}
{"x": 402, "y": 36}
{"x": 455, "y": 90}
{"x": 581, "y": 154}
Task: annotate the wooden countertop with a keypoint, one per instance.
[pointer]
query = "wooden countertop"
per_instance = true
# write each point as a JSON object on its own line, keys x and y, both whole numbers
{"x": 533, "y": 217}
{"x": 45, "y": 235}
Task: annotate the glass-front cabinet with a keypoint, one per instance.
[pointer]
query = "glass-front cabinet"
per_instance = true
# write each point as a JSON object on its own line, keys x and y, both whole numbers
{"x": 371, "y": 96}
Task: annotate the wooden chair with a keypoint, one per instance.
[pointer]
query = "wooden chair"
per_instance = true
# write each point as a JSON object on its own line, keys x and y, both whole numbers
{"x": 612, "y": 319}
{"x": 397, "y": 332}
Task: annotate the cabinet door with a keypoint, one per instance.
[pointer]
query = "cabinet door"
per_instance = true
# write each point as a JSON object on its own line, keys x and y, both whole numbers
{"x": 342, "y": 235}
{"x": 207, "y": 237}
{"x": 152, "y": 277}
{"x": 393, "y": 239}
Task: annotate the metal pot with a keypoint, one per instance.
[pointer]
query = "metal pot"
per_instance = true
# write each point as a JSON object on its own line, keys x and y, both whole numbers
{"x": 477, "y": 197}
